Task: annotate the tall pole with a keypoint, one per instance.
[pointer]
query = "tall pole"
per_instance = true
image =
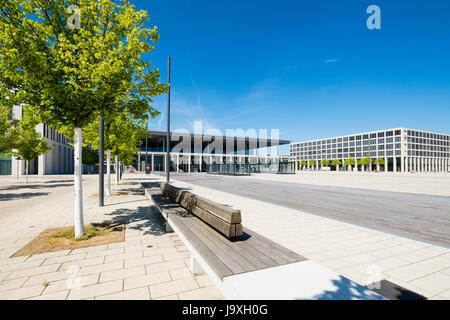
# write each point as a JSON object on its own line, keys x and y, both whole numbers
{"x": 101, "y": 160}
{"x": 168, "y": 124}
{"x": 146, "y": 151}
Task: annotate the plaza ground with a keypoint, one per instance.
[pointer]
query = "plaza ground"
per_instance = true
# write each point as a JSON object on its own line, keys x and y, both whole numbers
{"x": 153, "y": 264}
{"x": 150, "y": 264}
{"x": 350, "y": 249}
{"x": 409, "y": 214}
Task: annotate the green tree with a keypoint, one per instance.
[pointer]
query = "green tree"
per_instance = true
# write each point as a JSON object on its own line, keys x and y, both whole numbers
{"x": 7, "y": 132}
{"x": 28, "y": 143}
{"x": 89, "y": 156}
{"x": 304, "y": 163}
{"x": 123, "y": 134}
{"x": 364, "y": 162}
{"x": 71, "y": 74}
{"x": 336, "y": 163}
{"x": 324, "y": 163}
{"x": 312, "y": 163}
{"x": 378, "y": 162}
{"x": 349, "y": 162}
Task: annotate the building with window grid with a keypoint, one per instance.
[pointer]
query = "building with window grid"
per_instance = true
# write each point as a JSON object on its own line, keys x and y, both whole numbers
{"x": 59, "y": 160}
{"x": 402, "y": 149}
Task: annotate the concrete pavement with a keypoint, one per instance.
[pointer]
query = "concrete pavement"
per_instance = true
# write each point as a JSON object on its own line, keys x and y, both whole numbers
{"x": 149, "y": 264}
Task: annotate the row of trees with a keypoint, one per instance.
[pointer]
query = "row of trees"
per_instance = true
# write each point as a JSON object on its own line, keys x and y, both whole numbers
{"x": 71, "y": 66}
{"x": 349, "y": 162}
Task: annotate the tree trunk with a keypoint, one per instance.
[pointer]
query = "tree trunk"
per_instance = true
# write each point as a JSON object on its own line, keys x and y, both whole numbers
{"x": 117, "y": 168}
{"x": 108, "y": 172}
{"x": 26, "y": 170}
{"x": 79, "y": 224}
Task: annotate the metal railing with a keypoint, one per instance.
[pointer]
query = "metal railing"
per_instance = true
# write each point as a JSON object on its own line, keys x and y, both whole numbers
{"x": 228, "y": 169}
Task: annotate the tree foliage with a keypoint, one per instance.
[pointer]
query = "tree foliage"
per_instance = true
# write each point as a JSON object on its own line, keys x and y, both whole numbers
{"x": 303, "y": 163}
{"x": 7, "y": 132}
{"x": 73, "y": 75}
{"x": 89, "y": 156}
{"x": 28, "y": 143}
{"x": 324, "y": 163}
{"x": 336, "y": 162}
{"x": 364, "y": 161}
{"x": 349, "y": 162}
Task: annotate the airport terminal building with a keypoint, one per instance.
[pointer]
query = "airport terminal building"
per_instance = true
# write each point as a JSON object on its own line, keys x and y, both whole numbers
{"x": 59, "y": 160}
{"x": 402, "y": 149}
{"x": 193, "y": 152}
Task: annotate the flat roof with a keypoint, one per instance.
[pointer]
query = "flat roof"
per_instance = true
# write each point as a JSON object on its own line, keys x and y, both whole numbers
{"x": 156, "y": 134}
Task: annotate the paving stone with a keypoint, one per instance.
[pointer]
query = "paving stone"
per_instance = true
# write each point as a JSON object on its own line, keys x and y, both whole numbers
{"x": 145, "y": 280}
{"x": 7, "y": 261}
{"x": 123, "y": 256}
{"x": 33, "y": 271}
{"x": 71, "y": 283}
{"x": 164, "y": 266}
{"x": 89, "y": 249}
{"x": 21, "y": 293}
{"x": 66, "y": 258}
{"x": 209, "y": 293}
{"x": 82, "y": 263}
{"x": 21, "y": 265}
{"x": 172, "y": 287}
{"x": 45, "y": 255}
{"x": 176, "y": 256}
{"x": 101, "y": 267}
{"x": 156, "y": 251}
{"x": 101, "y": 253}
{"x": 171, "y": 297}
{"x": 143, "y": 261}
{"x": 96, "y": 290}
{"x": 204, "y": 280}
{"x": 12, "y": 284}
{"x": 122, "y": 273}
{"x": 61, "y": 295}
{"x": 180, "y": 273}
{"x": 133, "y": 294}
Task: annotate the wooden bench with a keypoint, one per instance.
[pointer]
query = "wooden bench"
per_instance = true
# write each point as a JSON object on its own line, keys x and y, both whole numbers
{"x": 223, "y": 219}
{"x": 213, "y": 233}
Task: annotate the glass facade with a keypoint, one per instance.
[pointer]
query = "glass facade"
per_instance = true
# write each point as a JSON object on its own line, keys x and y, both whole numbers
{"x": 5, "y": 166}
{"x": 381, "y": 144}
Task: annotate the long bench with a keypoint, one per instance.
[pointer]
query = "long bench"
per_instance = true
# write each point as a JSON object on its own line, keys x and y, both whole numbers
{"x": 237, "y": 259}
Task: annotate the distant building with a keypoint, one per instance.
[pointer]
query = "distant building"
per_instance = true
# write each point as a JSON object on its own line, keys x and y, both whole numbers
{"x": 192, "y": 152}
{"x": 59, "y": 160}
{"x": 402, "y": 149}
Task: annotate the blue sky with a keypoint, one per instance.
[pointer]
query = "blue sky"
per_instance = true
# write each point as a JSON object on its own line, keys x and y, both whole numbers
{"x": 311, "y": 69}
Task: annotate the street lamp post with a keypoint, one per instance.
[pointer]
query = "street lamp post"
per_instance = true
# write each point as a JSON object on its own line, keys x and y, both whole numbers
{"x": 101, "y": 160}
{"x": 168, "y": 125}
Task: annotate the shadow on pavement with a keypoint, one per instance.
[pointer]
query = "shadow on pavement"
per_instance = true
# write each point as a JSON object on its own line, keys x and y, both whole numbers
{"x": 36, "y": 186}
{"x": 141, "y": 219}
{"x": 348, "y": 290}
{"x": 16, "y": 196}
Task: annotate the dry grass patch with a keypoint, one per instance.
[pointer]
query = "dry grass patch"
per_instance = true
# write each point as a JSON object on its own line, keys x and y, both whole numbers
{"x": 64, "y": 238}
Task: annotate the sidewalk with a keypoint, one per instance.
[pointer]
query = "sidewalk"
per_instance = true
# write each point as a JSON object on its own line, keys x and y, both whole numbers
{"x": 150, "y": 264}
{"x": 353, "y": 251}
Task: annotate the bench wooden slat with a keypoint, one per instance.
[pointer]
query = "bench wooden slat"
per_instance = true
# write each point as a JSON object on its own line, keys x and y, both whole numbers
{"x": 219, "y": 241}
{"x": 220, "y": 268}
{"x": 221, "y": 254}
{"x": 218, "y": 224}
{"x": 225, "y": 213}
{"x": 254, "y": 247}
{"x": 274, "y": 247}
{"x": 244, "y": 250}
